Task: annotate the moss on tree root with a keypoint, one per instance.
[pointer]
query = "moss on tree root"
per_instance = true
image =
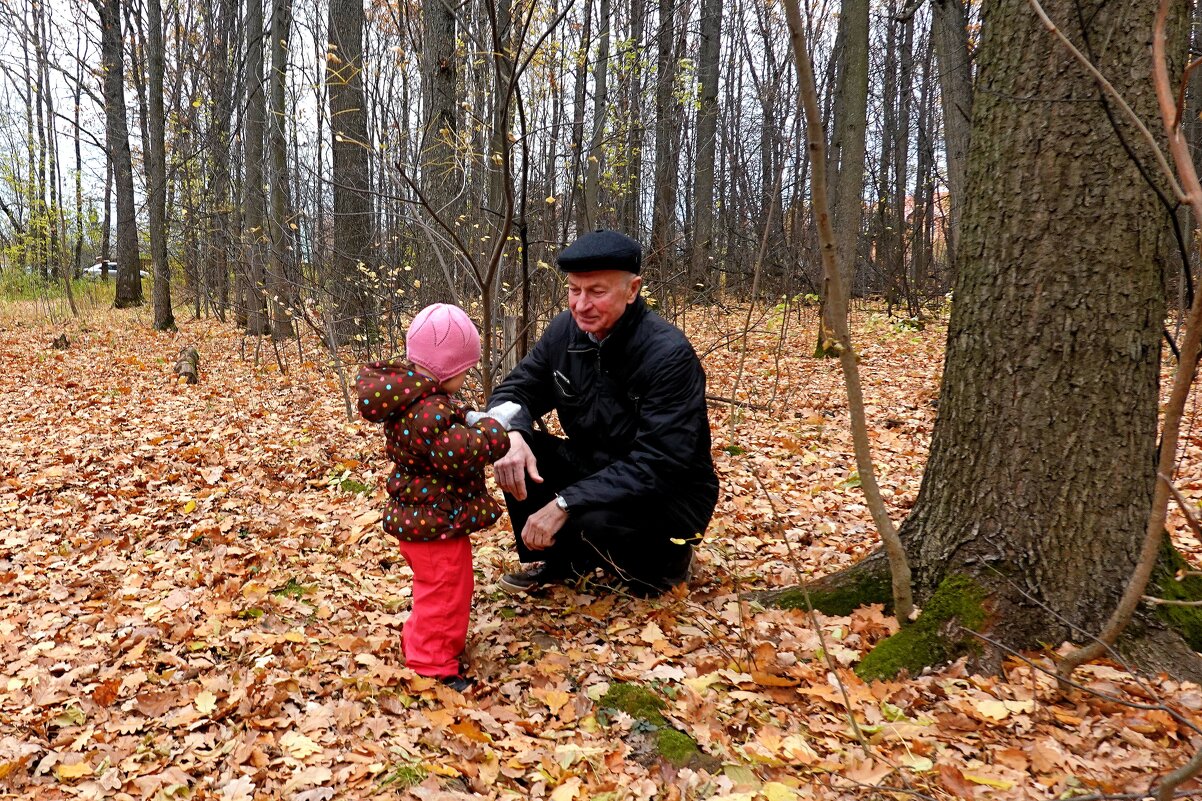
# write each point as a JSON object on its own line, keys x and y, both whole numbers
{"x": 865, "y": 583}
{"x": 936, "y": 636}
{"x": 678, "y": 748}
{"x": 1185, "y": 620}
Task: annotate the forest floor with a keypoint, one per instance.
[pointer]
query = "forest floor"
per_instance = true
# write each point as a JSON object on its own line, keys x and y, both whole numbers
{"x": 196, "y": 601}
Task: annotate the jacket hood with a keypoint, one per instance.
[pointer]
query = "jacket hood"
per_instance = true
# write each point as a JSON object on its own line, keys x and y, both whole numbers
{"x": 389, "y": 388}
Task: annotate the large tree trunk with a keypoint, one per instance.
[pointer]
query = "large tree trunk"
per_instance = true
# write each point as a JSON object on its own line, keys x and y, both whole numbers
{"x": 156, "y": 168}
{"x": 578, "y": 107}
{"x": 281, "y": 292}
{"x": 214, "y": 283}
{"x": 255, "y": 200}
{"x": 630, "y": 208}
{"x": 845, "y": 161}
{"x": 592, "y": 165}
{"x": 129, "y": 283}
{"x": 1042, "y": 460}
{"x": 440, "y": 171}
{"x": 352, "y": 215}
{"x": 707, "y": 139}
{"x": 663, "y": 207}
{"x": 949, "y": 29}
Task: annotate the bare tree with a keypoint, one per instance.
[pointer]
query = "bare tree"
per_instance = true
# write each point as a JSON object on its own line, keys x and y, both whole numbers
{"x": 707, "y": 139}
{"x": 129, "y": 282}
{"x": 663, "y": 208}
{"x": 156, "y": 168}
{"x": 845, "y": 160}
{"x": 351, "y": 218}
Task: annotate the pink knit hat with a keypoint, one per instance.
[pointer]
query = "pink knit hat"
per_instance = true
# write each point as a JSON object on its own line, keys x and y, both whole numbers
{"x": 443, "y": 340}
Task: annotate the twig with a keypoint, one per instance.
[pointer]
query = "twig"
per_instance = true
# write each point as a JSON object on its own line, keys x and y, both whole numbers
{"x": 1152, "y": 599}
{"x": 899, "y": 566}
{"x": 733, "y": 402}
{"x": 755, "y": 286}
{"x": 1183, "y": 504}
{"x": 813, "y": 619}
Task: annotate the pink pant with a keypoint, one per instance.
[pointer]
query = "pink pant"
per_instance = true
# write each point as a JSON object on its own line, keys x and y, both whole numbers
{"x": 435, "y": 633}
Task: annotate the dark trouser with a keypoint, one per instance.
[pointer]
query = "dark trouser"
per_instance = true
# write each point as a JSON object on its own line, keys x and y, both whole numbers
{"x": 633, "y": 542}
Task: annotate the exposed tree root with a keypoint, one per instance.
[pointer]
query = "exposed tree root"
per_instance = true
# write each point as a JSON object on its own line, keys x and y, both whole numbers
{"x": 1160, "y": 639}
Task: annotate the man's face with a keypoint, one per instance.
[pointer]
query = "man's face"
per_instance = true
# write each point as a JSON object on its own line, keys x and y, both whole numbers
{"x": 598, "y": 298}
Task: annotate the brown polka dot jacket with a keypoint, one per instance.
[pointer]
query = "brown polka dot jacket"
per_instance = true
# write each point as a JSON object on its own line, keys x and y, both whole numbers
{"x": 436, "y": 489}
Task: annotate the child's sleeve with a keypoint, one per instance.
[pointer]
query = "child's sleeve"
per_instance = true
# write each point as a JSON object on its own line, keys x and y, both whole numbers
{"x": 375, "y": 402}
{"x": 462, "y": 450}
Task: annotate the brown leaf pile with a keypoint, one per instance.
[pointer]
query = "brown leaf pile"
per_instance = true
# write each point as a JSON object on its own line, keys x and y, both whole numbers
{"x": 197, "y": 603}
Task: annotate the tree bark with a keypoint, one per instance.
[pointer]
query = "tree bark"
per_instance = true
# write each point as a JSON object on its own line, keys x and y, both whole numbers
{"x": 440, "y": 172}
{"x": 129, "y": 282}
{"x": 156, "y": 168}
{"x": 707, "y": 139}
{"x": 592, "y": 164}
{"x": 351, "y": 220}
{"x": 949, "y": 29}
{"x": 214, "y": 273}
{"x": 663, "y": 207}
{"x": 281, "y": 290}
{"x": 1042, "y": 461}
{"x": 629, "y": 216}
{"x": 845, "y": 161}
{"x": 578, "y": 108}
{"x": 254, "y": 198}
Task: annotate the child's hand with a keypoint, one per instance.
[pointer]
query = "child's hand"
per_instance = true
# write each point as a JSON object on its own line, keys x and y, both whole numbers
{"x": 503, "y": 413}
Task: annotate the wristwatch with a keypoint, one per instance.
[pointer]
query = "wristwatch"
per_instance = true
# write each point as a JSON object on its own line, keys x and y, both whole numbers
{"x": 561, "y": 503}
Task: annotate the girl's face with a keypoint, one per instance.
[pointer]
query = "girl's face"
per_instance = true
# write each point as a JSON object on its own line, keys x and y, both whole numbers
{"x": 454, "y": 383}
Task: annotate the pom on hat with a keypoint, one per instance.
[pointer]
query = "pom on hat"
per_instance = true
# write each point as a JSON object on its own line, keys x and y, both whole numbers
{"x": 443, "y": 340}
{"x": 602, "y": 250}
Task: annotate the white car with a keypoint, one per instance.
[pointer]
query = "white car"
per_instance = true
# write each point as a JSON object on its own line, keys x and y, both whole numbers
{"x": 97, "y": 270}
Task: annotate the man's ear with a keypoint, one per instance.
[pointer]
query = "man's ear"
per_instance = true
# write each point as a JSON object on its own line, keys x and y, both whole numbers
{"x": 632, "y": 291}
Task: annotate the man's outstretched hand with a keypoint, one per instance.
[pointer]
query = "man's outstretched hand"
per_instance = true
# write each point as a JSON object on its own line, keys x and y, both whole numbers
{"x": 512, "y": 468}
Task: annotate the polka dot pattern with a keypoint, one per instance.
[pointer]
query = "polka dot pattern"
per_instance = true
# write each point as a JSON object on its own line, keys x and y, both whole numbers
{"x": 436, "y": 488}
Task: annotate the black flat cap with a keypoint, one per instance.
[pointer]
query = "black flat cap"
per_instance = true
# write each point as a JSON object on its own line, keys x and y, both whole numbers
{"x": 602, "y": 250}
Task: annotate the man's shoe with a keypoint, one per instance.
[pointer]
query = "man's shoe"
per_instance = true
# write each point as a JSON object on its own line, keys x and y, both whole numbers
{"x": 533, "y": 579}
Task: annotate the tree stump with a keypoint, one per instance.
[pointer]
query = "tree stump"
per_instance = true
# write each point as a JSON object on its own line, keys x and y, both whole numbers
{"x": 61, "y": 343}
{"x": 187, "y": 366}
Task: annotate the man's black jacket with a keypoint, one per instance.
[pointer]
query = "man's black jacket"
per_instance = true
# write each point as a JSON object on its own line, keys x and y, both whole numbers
{"x": 633, "y": 407}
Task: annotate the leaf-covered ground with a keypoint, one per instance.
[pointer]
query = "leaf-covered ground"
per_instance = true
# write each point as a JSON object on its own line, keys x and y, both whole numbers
{"x": 195, "y": 602}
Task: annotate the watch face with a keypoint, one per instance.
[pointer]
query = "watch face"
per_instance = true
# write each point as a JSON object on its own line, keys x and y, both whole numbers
{"x": 561, "y": 503}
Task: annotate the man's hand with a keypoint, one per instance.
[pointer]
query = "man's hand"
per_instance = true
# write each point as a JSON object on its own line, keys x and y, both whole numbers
{"x": 512, "y": 468}
{"x": 542, "y": 526}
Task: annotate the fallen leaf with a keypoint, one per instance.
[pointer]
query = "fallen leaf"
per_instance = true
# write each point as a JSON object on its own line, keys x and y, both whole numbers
{"x": 997, "y": 784}
{"x": 74, "y": 771}
{"x": 554, "y": 699}
{"x": 952, "y": 780}
{"x": 467, "y": 728}
{"x": 205, "y": 702}
{"x": 298, "y": 745}
{"x": 566, "y": 791}
{"x": 1000, "y": 710}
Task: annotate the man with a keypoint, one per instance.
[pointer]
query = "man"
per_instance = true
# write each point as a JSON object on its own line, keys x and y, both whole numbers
{"x": 633, "y": 486}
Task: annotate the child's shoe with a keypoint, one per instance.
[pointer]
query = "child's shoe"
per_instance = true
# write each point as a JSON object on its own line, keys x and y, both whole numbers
{"x": 459, "y": 684}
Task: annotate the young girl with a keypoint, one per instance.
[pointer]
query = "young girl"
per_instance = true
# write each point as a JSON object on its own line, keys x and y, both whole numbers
{"x": 436, "y": 494}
